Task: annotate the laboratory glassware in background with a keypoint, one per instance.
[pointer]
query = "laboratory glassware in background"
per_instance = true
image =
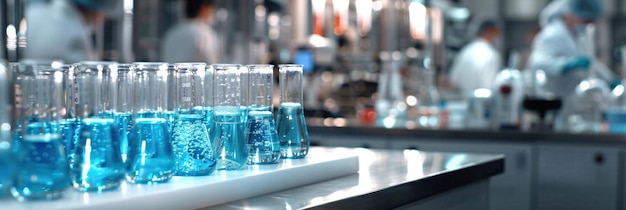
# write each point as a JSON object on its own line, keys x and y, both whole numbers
{"x": 227, "y": 133}
{"x": 190, "y": 139}
{"x": 508, "y": 93}
{"x": 150, "y": 153}
{"x": 291, "y": 126}
{"x": 7, "y": 159}
{"x": 390, "y": 105}
{"x": 38, "y": 142}
{"x": 97, "y": 163}
{"x": 260, "y": 131}
{"x": 423, "y": 97}
{"x": 616, "y": 114}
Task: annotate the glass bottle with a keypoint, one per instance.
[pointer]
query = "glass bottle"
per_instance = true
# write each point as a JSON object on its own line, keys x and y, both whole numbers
{"x": 190, "y": 139}
{"x": 261, "y": 134}
{"x": 38, "y": 141}
{"x": 150, "y": 153}
{"x": 292, "y": 131}
{"x": 227, "y": 134}
{"x": 97, "y": 163}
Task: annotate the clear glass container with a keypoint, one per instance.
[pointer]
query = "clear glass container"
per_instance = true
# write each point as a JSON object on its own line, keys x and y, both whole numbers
{"x": 190, "y": 138}
{"x": 291, "y": 126}
{"x": 423, "y": 97}
{"x": 37, "y": 141}
{"x": 585, "y": 108}
{"x": 260, "y": 131}
{"x": 150, "y": 153}
{"x": 227, "y": 131}
{"x": 390, "y": 105}
{"x": 97, "y": 164}
{"x": 122, "y": 105}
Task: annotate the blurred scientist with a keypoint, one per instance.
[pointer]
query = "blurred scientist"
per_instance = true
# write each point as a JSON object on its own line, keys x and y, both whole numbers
{"x": 63, "y": 29}
{"x": 478, "y": 62}
{"x": 560, "y": 48}
{"x": 192, "y": 40}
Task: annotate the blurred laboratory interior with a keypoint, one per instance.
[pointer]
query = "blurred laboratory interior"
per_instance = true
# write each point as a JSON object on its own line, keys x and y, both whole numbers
{"x": 381, "y": 74}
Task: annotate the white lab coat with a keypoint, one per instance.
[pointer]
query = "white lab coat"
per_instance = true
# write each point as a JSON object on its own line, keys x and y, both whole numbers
{"x": 552, "y": 48}
{"x": 57, "y": 30}
{"x": 191, "y": 41}
{"x": 475, "y": 67}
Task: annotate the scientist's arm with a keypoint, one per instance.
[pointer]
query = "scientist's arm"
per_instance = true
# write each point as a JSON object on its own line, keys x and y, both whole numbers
{"x": 546, "y": 55}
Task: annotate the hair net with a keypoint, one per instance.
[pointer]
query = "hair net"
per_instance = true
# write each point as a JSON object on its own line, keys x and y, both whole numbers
{"x": 97, "y": 5}
{"x": 585, "y": 9}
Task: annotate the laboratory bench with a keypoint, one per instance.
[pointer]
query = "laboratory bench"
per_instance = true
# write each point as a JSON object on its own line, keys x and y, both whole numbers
{"x": 328, "y": 178}
{"x": 544, "y": 170}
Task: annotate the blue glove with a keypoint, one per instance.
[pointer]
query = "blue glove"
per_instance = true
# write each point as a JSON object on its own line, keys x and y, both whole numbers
{"x": 615, "y": 83}
{"x": 578, "y": 63}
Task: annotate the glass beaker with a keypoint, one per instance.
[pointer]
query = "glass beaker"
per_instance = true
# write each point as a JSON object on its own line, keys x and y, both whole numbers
{"x": 42, "y": 171}
{"x": 97, "y": 163}
{"x": 227, "y": 135}
{"x": 150, "y": 153}
{"x": 292, "y": 131}
{"x": 190, "y": 139}
{"x": 262, "y": 138}
{"x": 170, "y": 108}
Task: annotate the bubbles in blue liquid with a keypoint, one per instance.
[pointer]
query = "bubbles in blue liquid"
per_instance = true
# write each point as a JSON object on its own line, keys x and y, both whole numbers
{"x": 150, "y": 154}
{"x": 192, "y": 148}
{"x": 262, "y": 138}
{"x": 7, "y": 166}
{"x": 292, "y": 132}
{"x": 42, "y": 168}
{"x": 229, "y": 141}
{"x": 97, "y": 161}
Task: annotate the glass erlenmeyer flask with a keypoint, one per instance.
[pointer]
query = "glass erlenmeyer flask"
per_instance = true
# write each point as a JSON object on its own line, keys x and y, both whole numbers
{"x": 260, "y": 129}
{"x": 227, "y": 132}
{"x": 292, "y": 131}
{"x": 150, "y": 153}
{"x": 38, "y": 141}
{"x": 190, "y": 139}
{"x": 97, "y": 163}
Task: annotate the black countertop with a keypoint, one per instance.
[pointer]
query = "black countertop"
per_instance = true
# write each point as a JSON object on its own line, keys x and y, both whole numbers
{"x": 318, "y": 130}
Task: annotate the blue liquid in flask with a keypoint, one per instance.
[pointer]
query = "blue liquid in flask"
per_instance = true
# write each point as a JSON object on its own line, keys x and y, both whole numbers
{"x": 192, "y": 148}
{"x": 97, "y": 163}
{"x": 229, "y": 141}
{"x": 150, "y": 154}
{"x": 263, "y": 144}
{"x": 292, "y": 132}
{"x": 41, "y": 156}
